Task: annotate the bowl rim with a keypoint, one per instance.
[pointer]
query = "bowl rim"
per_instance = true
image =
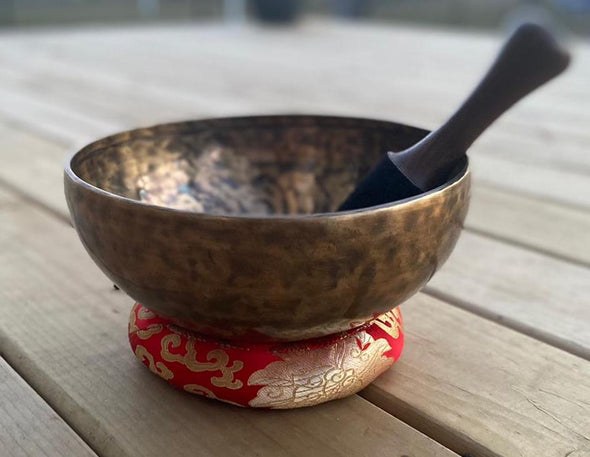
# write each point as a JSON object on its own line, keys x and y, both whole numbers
{"x": 462, "y": 174}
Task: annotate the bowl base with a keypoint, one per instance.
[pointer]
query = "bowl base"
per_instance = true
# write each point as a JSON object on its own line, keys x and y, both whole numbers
{"x": 272, "y": 375}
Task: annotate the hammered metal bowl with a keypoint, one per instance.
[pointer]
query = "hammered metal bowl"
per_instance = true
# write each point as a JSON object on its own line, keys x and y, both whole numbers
{"x": 228, "y": 226}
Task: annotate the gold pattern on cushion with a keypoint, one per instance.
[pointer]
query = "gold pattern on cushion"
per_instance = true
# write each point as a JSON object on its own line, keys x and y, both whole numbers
{"x": 273, "y": 375}
{"x": 144, "y": 313}
{"x": 199, "y": 390}
{"x": 158, "y": 367}
{"x": 305, "y": 378}
{"x": 204, "y": 392}
{"x": 217, "y": 360}
{"x": 389, "y": 322}
{"x": 144, "y": 333}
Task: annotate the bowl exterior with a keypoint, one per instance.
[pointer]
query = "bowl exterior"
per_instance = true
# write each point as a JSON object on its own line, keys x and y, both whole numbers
{"x": 269, "y": 278}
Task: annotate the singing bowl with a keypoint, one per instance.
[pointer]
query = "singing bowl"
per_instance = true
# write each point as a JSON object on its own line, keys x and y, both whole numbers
{"x": 229, "y": 226}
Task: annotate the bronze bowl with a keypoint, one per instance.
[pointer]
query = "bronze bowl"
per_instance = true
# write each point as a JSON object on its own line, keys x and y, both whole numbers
{"x": 229, "y": 226}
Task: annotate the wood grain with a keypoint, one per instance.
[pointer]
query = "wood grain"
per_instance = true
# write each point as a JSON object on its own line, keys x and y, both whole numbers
{"x": 533, "y": 222}
{"x": 486, "y": 390}
{"x": 543, "y": 297}
{"x": 28, "y": 425}
{"x": 553, "y": 185}
{"x": 34, "y": 165}
{"x": 80, "y": 361}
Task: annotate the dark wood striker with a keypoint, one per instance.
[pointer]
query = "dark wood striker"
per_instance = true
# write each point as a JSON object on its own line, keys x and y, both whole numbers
{"x": 530, "y": 58}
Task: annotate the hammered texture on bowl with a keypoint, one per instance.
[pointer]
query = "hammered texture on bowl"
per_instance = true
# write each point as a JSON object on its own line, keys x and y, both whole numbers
{"x": 227, "y": 225}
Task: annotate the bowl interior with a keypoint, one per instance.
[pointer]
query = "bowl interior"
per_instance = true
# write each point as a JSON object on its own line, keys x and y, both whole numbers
{"x": 256, "y": 165}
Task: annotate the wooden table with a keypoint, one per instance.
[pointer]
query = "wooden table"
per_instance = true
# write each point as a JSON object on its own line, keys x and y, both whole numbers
{"x": 496, "y": 362}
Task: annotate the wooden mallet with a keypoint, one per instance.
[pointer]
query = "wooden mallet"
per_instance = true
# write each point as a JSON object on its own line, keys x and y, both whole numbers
{"x": 530, "y": 58}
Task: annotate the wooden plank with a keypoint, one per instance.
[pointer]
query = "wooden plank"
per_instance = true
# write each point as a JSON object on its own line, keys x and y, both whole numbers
{"x": 528, "y": 179}
{"x": 34, "y": 166}
{"x": 110, "y": 94}
{"x": 80, "y": 361}
{"x": 98, "y": 93}
{"x": 486, "y": 390}
{"x": 28, "y": 426}
{"x": 542, "y": 146}
{"x": 532, "y": 222}
{"x": 52, "y": 119}
{"x": 539, "y": 295}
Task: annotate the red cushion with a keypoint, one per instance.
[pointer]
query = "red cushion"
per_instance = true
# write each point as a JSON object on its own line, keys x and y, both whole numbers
{"x": 279, "y": 375}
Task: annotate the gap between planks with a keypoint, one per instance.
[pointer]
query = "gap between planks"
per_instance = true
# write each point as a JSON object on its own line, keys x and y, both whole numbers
{"x": 28, "y": 425}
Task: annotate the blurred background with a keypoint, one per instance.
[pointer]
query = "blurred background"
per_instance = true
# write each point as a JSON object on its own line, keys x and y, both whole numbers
{"x": 572, "y": 15}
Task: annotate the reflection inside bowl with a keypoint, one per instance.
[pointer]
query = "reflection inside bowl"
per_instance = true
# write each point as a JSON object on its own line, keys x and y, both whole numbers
{"x": 216, "y": 181}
